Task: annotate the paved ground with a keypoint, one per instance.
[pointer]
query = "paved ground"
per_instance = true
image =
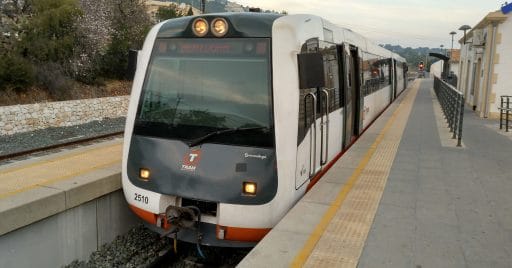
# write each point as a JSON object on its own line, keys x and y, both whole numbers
{"x": 445, "y": 206}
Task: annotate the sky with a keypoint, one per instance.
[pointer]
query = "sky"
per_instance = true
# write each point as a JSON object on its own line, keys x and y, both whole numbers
{"x": 414, "y": 23}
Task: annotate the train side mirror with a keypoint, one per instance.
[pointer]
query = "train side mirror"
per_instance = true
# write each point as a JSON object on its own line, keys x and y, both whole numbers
{"x": 311, "y": 70}
{"x": 132, "y": 63}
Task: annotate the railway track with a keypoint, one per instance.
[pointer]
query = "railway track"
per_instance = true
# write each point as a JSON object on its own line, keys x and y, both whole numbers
{"x": 59, "y": 145}
{"x": 141, "y": 247}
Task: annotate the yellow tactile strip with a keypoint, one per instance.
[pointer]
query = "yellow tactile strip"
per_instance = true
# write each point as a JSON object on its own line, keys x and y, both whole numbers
{"x": 339, "y": 238}
{"x": 53, "y": 169}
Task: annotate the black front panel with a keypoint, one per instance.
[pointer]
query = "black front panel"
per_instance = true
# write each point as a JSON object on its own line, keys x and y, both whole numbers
{"x": 210, "y": 172}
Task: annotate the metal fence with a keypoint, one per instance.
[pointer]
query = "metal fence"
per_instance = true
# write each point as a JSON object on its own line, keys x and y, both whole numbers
{"x": 505, "y": 111}
{"x": 452, "y": 103}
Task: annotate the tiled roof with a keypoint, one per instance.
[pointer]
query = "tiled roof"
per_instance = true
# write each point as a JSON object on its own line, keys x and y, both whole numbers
{"x": 456, "y": 55}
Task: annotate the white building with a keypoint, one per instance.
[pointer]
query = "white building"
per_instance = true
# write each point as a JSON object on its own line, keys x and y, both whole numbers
{"x": 486, "y": 63}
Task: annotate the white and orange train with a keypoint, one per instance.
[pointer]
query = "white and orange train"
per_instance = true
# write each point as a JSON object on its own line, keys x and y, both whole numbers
{"x": 234, "y": 116}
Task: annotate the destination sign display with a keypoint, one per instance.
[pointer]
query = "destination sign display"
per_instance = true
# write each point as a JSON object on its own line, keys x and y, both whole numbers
{"x": 213, "y": 47}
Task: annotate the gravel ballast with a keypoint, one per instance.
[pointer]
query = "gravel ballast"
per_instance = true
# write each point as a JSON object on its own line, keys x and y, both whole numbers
{"x": 141, "y": 247}
{"x": 56, "y": 135}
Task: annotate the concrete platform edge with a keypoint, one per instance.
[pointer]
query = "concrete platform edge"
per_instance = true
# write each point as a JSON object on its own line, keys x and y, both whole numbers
{"x": 47, "y": 200}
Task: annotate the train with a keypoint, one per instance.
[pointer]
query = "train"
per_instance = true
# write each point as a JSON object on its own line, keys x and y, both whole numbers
{"x": 233, "y": 117}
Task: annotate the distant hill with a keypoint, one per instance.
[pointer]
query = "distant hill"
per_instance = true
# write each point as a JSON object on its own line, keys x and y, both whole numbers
{"x": 415, "y": 55}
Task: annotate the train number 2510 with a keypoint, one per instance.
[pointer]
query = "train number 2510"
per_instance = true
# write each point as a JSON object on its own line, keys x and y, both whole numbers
{"x": 141, "y": 198}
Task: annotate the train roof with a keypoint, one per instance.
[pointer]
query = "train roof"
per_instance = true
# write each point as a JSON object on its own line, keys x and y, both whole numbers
{"x": 337, "y": 34}
{"x": 260, "y": 25}
{"x": 244, "y": 24}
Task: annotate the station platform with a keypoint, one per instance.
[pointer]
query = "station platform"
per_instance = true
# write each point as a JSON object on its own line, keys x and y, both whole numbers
{"x": 39, "y": 187}
{"x": 404, "y": 195}
{"x": 62, "y": 206}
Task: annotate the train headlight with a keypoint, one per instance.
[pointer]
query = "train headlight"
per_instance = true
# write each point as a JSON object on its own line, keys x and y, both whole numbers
{"x": 200, "y": 27}
{"x": 144, "y": 174}
{"x": 219, "y": 27}
{"x": 249, "y": 188}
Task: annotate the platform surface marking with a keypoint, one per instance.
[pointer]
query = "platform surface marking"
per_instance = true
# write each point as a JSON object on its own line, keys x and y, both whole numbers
{"x": 338, "y": 239}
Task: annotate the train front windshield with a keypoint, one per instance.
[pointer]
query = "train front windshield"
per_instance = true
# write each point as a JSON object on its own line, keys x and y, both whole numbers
{"x": 196, "y": 86}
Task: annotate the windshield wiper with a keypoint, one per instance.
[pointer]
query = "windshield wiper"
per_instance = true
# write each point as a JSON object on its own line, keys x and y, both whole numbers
{"x": 199, "y": 140}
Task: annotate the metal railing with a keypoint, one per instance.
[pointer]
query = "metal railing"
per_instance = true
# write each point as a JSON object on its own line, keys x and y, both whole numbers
{"x": 505, "y": 111}
{"x": 452, "y": 103}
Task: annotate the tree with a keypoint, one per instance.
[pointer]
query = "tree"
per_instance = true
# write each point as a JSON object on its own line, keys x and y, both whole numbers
{"x": 130, "y": 24}
{"x": 15, "y": 72}
{"x": 50, "y": 35}
{"x": 13, "y": 15}
{"x": 94, "y": 32}
{"x": 165, "y": 13}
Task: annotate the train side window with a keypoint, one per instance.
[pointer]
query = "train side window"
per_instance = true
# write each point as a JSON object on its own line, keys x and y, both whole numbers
{"x": 311, "y": 70}
{"x": 331, "y": 76}
{"x": 371, "y": 73}
{"x": 305, "y": 113}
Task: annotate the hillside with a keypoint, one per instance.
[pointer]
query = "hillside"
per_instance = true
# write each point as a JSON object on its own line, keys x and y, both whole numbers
{"x": 415, "y": 55}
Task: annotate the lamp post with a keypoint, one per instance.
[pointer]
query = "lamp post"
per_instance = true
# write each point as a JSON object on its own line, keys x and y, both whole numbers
{"x": 442, "y": 50}
{"x": 464, "y": 28}
{"x": 452, "y": 33}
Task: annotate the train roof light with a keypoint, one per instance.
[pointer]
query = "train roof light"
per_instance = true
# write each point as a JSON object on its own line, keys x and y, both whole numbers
{"x": 219, "y": 27}
{"x": 200, "y": 27}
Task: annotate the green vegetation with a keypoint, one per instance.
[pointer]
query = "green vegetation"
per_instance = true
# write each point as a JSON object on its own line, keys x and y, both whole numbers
{"x": 170, "y": 12}
{"x": 165, "y": 13}
{"x": 415, "y": 55}
{"x": 60, "y": 45}
{"x": 50, "y": 35}
{"x": 15, "y": 72}
{"x": 130, "y": 25}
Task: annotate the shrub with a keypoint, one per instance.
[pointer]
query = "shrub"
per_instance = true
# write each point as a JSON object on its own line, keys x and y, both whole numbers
{"x": 51, "y": 76}
{"x": 15, "y": 73}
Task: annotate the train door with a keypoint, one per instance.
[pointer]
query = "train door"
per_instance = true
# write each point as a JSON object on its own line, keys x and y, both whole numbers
{"x": 319, "y": 90}
{"x": 351, "y": 93}
{"x": 311, "y": 82}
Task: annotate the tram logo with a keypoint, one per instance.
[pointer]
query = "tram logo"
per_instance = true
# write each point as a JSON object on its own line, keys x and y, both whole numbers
{"x": 191, "y": 160}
